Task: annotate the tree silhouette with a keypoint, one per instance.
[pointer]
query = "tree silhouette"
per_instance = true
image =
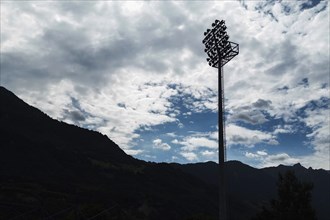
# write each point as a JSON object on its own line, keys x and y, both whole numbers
{"x": 293, "y": 203}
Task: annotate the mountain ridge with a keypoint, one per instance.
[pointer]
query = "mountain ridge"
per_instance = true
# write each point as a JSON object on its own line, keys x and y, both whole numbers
{"x": 44, "y": 161}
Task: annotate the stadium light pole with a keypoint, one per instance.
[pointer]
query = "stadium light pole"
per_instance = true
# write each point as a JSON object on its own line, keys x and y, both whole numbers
{"x": 220, "y": 51}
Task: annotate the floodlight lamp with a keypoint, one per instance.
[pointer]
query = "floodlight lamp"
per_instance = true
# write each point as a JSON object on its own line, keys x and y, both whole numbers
{"x": 207, "y": 38}
{"x": 220, "y": 31}
{"x": 209, "y": 44}
{"x": 217, "y": 45}
{"x": 224, "y": 46}
{"x": 225, "y": 38}
{"x": 219, "y": 37}
{"x": 212, "y": 55}
{"x": 226, "y": 49}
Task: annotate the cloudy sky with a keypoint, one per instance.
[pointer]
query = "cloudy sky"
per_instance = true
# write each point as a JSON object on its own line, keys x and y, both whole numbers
{"x": 136, "y": 71}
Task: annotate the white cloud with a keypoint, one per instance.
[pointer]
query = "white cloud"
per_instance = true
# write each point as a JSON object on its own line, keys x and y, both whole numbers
{"x": 286, "y": 129}
{"x": 133, "y": 152}
{"x": 198, "y": 145}
{"x": 214, "y": 135}
{"x": 251, "y": 155}
{"x": 247, "y": 137}
{"x": 192, "y": 143}
{"x": 191, "y": 156}
{"x": 258, "y": 154}
{"x": 277, "y": 159}
{"x": 171, "y": 134}
{"x": 157, "y": 141}
{"x": 175, "y": 141}
{"x": 262, "y": 153}
{"x": 150, "y": 156}
{"x": 158, "y": 144}
{"x": 319, "y": 121}
{"x": 208, "y": 153}
{"x": 174, "y": 158}
{"x": 263, "y": 159}
{"x": 273, "y": 142}
{"x": 99, "y": 54}
{"x": 180, "y": 125}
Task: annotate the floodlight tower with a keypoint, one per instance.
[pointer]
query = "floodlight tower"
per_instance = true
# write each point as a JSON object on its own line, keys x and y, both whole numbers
{"x": 220, "y": 52}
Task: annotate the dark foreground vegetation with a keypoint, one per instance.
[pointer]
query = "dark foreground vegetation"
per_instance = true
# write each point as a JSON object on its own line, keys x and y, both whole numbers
{"x": 293, "y": 203}
{"x": 52, "y": 170}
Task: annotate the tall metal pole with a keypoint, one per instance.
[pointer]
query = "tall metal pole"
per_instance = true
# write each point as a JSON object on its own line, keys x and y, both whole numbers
{"x": 220, "y": 51}
{"x": 221, "y": 150}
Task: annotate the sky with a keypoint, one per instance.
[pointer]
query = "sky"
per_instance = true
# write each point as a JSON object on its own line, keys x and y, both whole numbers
{"x": 136, "y": 71}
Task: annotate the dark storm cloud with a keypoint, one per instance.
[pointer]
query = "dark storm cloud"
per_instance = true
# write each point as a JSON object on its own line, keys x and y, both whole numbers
{"x": 279, "y": 157}
{"x": 304, "y": 82}
{"x": 75, "y": 112}
{"x": 64, "y": 50}
{"x": 252, "y": 114}
{"x": 75, "y": 116}
{"x": 83, "y": 60}
{"x": 239, "y": 139}
{"x": 77, "y": 53}
{"x": 263, "y": 104}
{"x": 250, "y": 117}
{"x": 58, "y": 54}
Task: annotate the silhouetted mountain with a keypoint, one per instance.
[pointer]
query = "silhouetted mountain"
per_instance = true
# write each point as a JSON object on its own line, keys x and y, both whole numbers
{"x": 50, "y": 169}
{"x": 321, "y": 182}
{"x": 50, "y": 166}
{"x": 250, "y": 188}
